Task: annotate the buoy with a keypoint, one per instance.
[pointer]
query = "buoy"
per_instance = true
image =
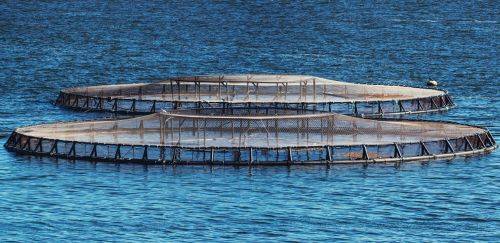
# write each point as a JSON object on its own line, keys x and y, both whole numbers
{"x": 431, "y": 82}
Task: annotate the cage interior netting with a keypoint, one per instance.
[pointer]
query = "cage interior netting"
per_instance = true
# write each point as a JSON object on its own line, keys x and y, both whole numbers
{"x": 256, "y": 91}
{"x": 251, "y": 136}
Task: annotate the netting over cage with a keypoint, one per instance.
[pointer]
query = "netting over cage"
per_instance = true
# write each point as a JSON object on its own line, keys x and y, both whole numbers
{"x": 248, "y": 137}
{"x": 256, "y": 91}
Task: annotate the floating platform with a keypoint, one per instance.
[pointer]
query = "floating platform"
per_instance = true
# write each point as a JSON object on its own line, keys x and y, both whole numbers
{"x": 256, "y": 92}
{"x": 251, "y": 137}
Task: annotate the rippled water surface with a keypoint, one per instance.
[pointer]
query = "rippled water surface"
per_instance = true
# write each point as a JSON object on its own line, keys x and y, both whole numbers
{"x": 47, "y": 46}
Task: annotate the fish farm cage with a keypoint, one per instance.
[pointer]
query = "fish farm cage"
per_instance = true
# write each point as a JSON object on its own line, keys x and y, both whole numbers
{"x": 251, "y": 137}
{"x": 256, "y": 92}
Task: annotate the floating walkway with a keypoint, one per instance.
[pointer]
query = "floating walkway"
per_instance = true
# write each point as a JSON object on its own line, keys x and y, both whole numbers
{"x": 251, "y": 137}
{"x": 256, "y": 92}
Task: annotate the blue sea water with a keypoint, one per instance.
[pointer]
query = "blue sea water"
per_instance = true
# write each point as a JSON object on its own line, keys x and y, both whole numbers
{"x": 49, "y": 45}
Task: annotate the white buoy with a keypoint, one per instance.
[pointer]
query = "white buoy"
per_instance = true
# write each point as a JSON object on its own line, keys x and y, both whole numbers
{"x": 431, "y": 82}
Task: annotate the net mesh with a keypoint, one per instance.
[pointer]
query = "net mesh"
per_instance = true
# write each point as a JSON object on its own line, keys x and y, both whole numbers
{"x": 237, "y": 91}
{"x": 200, "y": 129}
{"x": 251, "y": 136}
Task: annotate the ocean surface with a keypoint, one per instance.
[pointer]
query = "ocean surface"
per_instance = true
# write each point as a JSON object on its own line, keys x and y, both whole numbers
{"x": 47, "y": 45}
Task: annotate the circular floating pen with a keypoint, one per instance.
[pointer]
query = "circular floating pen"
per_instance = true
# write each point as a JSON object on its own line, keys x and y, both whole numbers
{"x": 256, "y": 91}
{"x": 251, "y": 137}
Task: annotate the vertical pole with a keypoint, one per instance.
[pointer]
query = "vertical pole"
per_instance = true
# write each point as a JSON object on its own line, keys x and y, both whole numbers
{"x": 72, "y": 151}
{"x": 174, "y": 155}
{"x": 397, "y": 151}
{"x": 27, "y": 144}
{"x": 365, "y": 153}
{"x": 448, "y": 147}
{"x": 419, "y": 105}
{"x": 433, "y": 103}
{"x": 99, "y": 103}
{"x": 145, "y": 154}
{"x": 250, "y": 156}
{"x": 162, "y": 154}
{"x": 329, "y": 157}
{"x": 423, "y": 149}
{"x": 212, "y": 155}
{"x": 290, "y": 155}
{"x": 153, "y": 107}
{"x": 468, "y": 145}
{"x": 115, "y": 105}
{"x": 489, "y": 139}
{"x": 132, "y": 107}
{"x": 39, "y": 146}
{"x": 93, "y": 153}
{"x": 480, "y": 142}
{"x": 118, "y": 154}
{"x": 75, "y": 102}
{"x": 54, "y": 149}
{"x": 401, "y": 107}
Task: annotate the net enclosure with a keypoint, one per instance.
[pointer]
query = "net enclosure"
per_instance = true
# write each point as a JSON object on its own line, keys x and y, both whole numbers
{"x": 256, "y": 91}
{"x": 251, "y": 137}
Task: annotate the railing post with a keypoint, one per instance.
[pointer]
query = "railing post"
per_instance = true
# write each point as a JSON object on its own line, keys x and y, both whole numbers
{"x": 448, "y": 147}
{"x": 397, "y": 151}
{"x": 72, "y": 151}
{"x": 419, "y": 105}
{"x": 401, "y": 107}
{"x": 115, "y": 105}
{"x": 75, "y": 102}
{"x": 488, "y": 139}
{"x": 93, "y": 153}
{"x": 118, "y": 154}
{"x": 449, "y": 101}
{"x": 86, "y": 104}
{"x": 99, "y": 103}
{"x": 54, "y": 149}
{"x": 212, "y": 155}
{"x": 145, "y": 154}
{"x": 132, "y": 107}
{"x": 174, "y": 155}
{"x": 355, "y": 108}
{"x": 423, "y": 149}
{"x": 27, "y": 144}
{"x": 9, "y": 140}
{"x": 468, "y": 144}
{"x": 251, "y": 156}
{"x": 290, "y": 156}
{"x": 433, "y": 103}
{"x": 39, "y": 146}
{"x": 153, "y": 107}
{"x": 329, "y": 157}
{"x": 480, "y": 142}
{"x": 365, "y": 155}
{"x": 162, "y": 154}
{"x": 59, "y": 98}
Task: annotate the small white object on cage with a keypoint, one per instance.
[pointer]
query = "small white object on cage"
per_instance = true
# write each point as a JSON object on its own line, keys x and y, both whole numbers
{"x": 431, "y": 82}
